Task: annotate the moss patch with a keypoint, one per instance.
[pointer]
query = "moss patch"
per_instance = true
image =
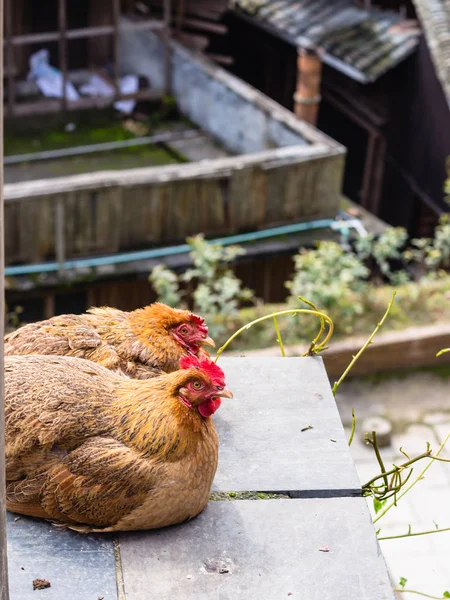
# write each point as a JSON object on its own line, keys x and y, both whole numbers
{"x": 91, "y": 127}
{"x": 230, "y": 496}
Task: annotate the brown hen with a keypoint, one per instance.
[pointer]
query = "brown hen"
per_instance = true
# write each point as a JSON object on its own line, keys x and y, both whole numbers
{"x": 142, "y": 343}
{"x": 98, "y": 451}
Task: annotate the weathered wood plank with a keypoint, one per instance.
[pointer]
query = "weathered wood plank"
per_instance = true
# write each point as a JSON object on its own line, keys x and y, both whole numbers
{"x": 268, "y": 549}
{"x": 393, "y": 350}
{"x": 165, "y": 205}
{"x": 212, "y": 207}
{"x": 179, "y": 172}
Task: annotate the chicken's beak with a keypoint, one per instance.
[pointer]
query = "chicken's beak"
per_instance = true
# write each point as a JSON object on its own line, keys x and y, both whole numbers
{"x": 225, "y": 393}
{"x": 208, "y": 341}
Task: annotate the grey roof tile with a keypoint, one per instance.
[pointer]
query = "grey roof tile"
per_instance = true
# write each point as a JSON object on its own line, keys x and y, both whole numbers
{"x": 362, "y": 43}
{"x": 435, "y": 18}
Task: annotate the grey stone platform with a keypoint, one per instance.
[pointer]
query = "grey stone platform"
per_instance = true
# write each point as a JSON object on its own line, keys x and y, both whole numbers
{"x": 265, "y": 548}
{"x": 262, "y": 445}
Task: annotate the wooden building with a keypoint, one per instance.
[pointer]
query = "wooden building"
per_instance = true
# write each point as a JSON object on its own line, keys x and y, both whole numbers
{"x": 384, "y": 92}
{"x": 83, "y": 37}
{"x": 66, "y": 234}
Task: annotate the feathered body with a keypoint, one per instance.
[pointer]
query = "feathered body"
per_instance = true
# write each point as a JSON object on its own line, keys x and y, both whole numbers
{"x": 142, "y": 343}
{"x": 98, "y": 451}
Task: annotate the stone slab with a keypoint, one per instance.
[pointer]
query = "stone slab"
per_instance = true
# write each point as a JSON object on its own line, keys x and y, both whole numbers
{"x": 262, "y": 445}
{"x": 268, "y": 549}
{"x": 79, "y": 567}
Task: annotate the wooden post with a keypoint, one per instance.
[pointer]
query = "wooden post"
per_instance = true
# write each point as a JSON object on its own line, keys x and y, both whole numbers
{"x": 10, "y": 57}
{"x": 4, "y": 594}
{"x": 167, "y": 48}
{"x": 307, "y": 95}
{"x": 116, "y": 24}
{"x": 62, "y": 49}
{"x": 180, "y": 16}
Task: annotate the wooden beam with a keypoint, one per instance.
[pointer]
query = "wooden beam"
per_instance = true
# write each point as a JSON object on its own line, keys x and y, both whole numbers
{"x": 62, "y": 49}
{"x": 204, "y": 26}
{"x": 4, "y": 594}
{"x": 85, "y": 32}
{"x": 50, "y": 106}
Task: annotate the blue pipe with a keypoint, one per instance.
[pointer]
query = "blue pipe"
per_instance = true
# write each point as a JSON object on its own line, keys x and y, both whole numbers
{"x": 115, "y": 259}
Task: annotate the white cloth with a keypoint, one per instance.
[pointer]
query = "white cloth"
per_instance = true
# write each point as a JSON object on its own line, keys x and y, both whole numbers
{"x": 48, "y": 79}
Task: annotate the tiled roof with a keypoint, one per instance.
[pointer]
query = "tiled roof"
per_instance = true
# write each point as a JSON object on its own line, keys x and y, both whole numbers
{"x": 362, "y": 43}
{"x": 435, "y": 18}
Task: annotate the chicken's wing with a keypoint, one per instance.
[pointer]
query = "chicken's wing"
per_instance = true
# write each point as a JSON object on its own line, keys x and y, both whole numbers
{"x": 98, "y": 483}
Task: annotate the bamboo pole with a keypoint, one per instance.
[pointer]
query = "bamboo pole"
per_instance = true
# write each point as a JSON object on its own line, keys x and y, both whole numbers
{"x": 4, "y": 594}
{"x": 307, "y": 95}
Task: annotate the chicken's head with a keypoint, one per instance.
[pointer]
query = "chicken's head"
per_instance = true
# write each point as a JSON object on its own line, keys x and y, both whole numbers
{"x": 187, "y": 332}
{"x": 192, "y": 333}
{"x": 202, "y": 386}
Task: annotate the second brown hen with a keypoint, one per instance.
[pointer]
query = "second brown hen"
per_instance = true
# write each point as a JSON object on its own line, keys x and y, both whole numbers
{"x": 141, "y": 343}
{"x": 98, "y": 451}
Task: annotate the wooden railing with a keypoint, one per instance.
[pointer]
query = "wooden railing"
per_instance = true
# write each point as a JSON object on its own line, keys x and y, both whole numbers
{"x": 110, "y": 212}
{"x": 63, "y": 35}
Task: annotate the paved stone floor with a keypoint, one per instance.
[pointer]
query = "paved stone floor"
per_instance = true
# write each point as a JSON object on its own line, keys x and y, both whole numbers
{"x": 419, "y": 409}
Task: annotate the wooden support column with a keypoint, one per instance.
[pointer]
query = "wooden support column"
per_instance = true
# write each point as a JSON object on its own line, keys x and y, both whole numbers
{"x": 4, "y": 594}
{"x": 116, "y": 23}
{"x": 10, "y": 57}
{"x": 167, "y": 48}
{"x": 307, "y": 94}
{"x": 101, "y": 47}
{"x": 62, "y": 50}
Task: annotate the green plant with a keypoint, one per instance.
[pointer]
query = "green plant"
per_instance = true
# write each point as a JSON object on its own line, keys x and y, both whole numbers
{"x": 331, "y": 278}
{"x": 167, "y": 285}
{"x": 382, "y": 250}
{"x": 217, "y": 292}
{"x": 432, "y": 253}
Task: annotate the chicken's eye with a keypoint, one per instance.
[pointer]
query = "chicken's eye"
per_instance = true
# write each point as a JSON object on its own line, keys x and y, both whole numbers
{"x": 184, "y": 330}
{"x": 197, "y": 385}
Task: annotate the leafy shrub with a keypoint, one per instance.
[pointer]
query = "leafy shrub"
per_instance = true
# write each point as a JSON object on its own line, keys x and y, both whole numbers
{"x": 383, "y": 250}
{"x": 431, "y": 254}
{"x": 217, "y": 293}
{"x": 167, "y": 286}
{"x": 333, "y": 279}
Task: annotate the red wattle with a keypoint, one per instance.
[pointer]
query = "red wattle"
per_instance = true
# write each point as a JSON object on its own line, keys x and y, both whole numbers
{"x": 206, "y": 409}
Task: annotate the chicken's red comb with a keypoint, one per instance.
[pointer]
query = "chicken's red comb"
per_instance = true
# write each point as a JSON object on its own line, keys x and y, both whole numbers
{"x": 196, "y": 319}
{"x": 209, "y": 367}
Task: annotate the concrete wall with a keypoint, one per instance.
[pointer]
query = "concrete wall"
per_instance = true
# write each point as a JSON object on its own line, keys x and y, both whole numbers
{"x": 234, "y": 113}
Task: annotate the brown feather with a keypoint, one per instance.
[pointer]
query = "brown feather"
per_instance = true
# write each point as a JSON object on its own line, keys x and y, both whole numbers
{"x": 100, "y": 451}
{"x": 137, "y": 343}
